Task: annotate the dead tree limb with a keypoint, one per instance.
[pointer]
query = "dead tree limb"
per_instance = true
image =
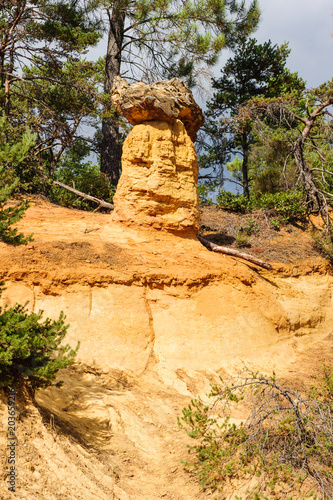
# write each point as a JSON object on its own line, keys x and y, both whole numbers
{"x": 101, "y": 203}
{"x": 235, "y": 253}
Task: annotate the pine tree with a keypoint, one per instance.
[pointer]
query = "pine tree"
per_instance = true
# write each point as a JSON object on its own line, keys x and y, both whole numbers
{"x": 11, "y": 155}
{"x": 254, "y": 70}
{"x": 31, "y": 353}
{"x": 44, "y": 82}
{"x": 307, "y": 122}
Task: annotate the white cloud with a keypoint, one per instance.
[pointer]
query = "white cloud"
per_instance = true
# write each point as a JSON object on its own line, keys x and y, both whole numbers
{"x": 308, "y": 27}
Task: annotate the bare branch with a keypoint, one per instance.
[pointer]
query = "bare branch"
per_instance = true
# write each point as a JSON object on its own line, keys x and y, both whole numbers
{"x": 101, "y": 203}
{"x": 234, "y": 253}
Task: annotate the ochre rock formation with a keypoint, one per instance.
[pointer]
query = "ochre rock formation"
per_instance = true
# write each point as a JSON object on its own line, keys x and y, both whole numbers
{"x": 162, "y": 101}
{"x": 159, "y": 319}
{"x": 157, "y": 187}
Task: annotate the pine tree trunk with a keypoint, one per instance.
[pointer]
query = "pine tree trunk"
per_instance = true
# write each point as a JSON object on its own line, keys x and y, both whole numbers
{"x": 245, "y": 174}
{"x": 110, "y": 154}
{"x": 313, "y": 198}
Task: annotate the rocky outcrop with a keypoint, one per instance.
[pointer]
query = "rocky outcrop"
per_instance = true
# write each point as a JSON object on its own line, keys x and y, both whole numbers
{"x": 157, "y": 187}
{"x": 161, "y": 101}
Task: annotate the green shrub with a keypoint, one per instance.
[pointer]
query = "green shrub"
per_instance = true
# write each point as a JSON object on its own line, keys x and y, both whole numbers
{"x": 289, "y": 205}
{"x": 275, "y": 224}
{"x": 30, "y": 351}
{"x": 85, "y": 177}
{"x": 250, "y": 227}
{"x": 242, "y": 240}
{"x": 232, "y": 201}
{"x": 286, "y": 439}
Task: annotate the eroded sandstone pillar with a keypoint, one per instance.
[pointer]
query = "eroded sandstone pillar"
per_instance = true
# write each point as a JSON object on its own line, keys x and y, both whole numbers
{"x": 157, "y": 187}
{"x": 158, "y": 184}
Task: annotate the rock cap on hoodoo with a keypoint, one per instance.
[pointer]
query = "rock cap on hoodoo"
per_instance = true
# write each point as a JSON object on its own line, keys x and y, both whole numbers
{"x": 162, "y": 101}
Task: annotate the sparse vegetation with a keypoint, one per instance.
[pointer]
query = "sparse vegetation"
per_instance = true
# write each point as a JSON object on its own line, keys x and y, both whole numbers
{"x": 286, "y": 441}
{"x": 324, "y": 243}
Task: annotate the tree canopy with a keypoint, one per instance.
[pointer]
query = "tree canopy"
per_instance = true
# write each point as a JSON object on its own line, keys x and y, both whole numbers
{"x": 44, "y": 82}
{"x": 254, "y": 70}
{"x": 151, "y": 39}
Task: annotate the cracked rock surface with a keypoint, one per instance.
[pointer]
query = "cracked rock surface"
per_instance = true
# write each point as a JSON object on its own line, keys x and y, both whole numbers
{"x": 157, "y": 187}
{"x": 166, "y": 100}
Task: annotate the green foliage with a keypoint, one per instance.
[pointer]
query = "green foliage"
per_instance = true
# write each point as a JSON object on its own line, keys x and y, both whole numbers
{"x": 285, "y": 442}
{"x": 284, "y": 206}
{"x": 23, "y": 164}
{"x": 244, "y": 231}
{"x": 323, "y": 390}
{"x": 11, "y": 156}
{"x": 242, "y": 240}
{"x": 250, "y": 227}
{"x": 232, "y": 201}
{"x": 203, "y": 192}
{"x": 275, "y": 224}
{"x": 193, "y": 34}
{"x": 303, "y": 121}
{"x": 30, "y": 350}
{"x": 85, "y": 176}
{"x": 235, "y": 168}
{"x": 44, "y": 83}
{"x": 254, "y": 70}
{"x": 288, "y": 205}
{"x": 272, "y": 166}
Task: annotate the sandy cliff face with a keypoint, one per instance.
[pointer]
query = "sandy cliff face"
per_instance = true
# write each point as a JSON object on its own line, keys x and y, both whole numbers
{"x": 159, "y": 318}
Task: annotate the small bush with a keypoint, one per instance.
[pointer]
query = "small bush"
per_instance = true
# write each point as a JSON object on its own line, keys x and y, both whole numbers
{"x": 286, "y": 440}
{"x": 288, "y": 206}
{"x": 86, "y": 178}
{"x": 275, "y": 224}
{"x": 250, "y": 227}
{"x": 242, "y": 240}
{"x": 30, "y": 351}
{"x": 232, "y": 201}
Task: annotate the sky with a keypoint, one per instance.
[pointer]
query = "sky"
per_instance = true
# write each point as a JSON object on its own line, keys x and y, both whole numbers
{"x": 308, "y": 27}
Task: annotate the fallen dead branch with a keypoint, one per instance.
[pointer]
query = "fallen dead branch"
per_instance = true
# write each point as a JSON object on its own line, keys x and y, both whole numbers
{"x": 234, "y": 253}
{"x": 101, "y": 203}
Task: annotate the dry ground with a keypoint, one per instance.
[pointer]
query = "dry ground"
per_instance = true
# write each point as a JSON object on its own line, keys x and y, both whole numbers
{"x": 291, "y": 243}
